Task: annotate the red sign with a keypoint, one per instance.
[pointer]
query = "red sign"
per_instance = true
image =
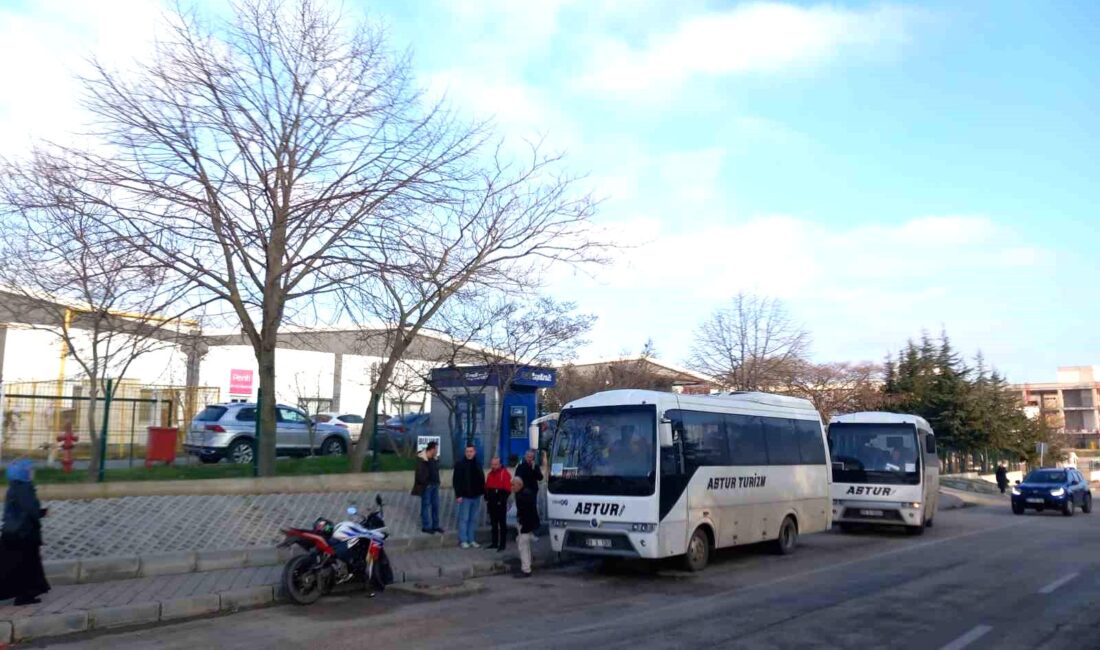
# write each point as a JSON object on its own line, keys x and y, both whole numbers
{"x": 240, "y": 382}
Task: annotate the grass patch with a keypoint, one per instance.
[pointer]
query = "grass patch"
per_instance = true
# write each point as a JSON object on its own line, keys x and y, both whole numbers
{"x": 283, "y": 467}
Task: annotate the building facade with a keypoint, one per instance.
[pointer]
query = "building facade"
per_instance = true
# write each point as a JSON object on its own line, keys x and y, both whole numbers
{"x": 1069, "y": 405}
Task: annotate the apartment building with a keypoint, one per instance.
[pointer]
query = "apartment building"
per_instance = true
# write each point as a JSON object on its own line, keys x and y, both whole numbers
{"x": 1069, "y": 404}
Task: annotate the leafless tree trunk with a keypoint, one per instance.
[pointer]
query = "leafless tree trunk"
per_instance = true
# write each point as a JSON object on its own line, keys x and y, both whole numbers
{"x": 107, "y": 305}
{"x": 263, "y": 160}
{"x": 750, "y": 344}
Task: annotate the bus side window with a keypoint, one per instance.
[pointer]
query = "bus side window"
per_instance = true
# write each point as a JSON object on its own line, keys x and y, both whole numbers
{"x": 782, "y": 442}
{"x": 704, "y": 439}
{"x": 929, "y": 444}
{"x": 810, "y": 446}
{"x": 746, "y": 440}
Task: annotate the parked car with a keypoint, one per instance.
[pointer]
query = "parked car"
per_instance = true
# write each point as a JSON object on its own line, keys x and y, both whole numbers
{"x": 402, "y": 431}
{"x": 350, "y": 421}
{"x": 1063, "y": 489}
{"x": 229, "y": 431}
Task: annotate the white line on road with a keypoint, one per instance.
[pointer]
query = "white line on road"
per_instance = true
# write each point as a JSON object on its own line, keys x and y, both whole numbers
{"x": 968, "y": 638}
{"x": 1049, "y": 589}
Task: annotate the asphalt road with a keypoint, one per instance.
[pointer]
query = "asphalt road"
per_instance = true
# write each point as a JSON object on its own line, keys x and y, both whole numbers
{"x": 982, "y": 578}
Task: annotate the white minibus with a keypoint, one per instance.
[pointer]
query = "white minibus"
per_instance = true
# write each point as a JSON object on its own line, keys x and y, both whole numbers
{"x": 885, "y": 470}
{"x": 646, "y": 474}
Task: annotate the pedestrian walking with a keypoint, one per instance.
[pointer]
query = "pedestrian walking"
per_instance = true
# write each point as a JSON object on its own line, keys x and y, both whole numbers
{"x": 469, "y": 485}
{"x": 21, "y": 573}
{"x": 527, "y": 516}
{"x": 426, "y": 486}
{"x": 530, "y": 471}
{"x": 1002, "y": 477}
{"x": 498, "y": 486}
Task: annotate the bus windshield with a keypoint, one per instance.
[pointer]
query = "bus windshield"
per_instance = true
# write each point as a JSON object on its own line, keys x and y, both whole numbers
{"x": 605, "y": 451}
{"x": 875, "y": 453}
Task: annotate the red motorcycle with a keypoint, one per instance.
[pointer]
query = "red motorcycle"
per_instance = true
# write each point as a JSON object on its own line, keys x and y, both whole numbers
{"x": 336, "y": 554}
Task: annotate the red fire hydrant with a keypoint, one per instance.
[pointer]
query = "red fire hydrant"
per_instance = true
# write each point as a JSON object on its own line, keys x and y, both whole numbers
{"x": 68, "y": 441}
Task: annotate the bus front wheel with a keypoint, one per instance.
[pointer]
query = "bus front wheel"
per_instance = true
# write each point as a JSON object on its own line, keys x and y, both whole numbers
{"x": 698, "y": 551}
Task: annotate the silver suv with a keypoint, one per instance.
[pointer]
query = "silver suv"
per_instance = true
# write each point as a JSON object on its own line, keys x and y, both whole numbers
{"x": 229, "y": 431}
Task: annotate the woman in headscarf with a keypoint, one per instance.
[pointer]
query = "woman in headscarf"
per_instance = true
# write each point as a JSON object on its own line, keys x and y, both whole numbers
{"x": 21, "y": 574}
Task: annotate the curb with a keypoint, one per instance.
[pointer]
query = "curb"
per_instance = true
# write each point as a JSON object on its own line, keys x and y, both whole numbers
{"x": 229, "y": 602}
{"x": 106, "y": 569}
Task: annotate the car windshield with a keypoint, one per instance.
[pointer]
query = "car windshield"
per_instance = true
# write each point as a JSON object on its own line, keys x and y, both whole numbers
{"x": 605, "y": 450}
{"x": 874, "y": 453}
{"x": 1046, "y": 476}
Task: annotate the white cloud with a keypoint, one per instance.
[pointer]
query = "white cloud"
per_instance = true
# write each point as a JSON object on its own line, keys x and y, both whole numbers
{"x": 45, "y": 48}
{"x": 758, "y": 37}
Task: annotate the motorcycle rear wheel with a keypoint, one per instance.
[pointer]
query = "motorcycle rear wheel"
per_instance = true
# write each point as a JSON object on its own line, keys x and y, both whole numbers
{"x": 302, "y": 582}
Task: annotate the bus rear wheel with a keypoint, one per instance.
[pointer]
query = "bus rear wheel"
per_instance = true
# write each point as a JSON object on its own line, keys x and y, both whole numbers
{"x": 698, "y": 551}
{"x": 788, "y": 537}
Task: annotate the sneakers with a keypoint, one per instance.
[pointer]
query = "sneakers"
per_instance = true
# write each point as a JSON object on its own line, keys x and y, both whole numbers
{"x": 464, "y": 545}
{"x": 475, "y": 545}
{"x": 523, "y": 574}
{"x": 438, "y": 531}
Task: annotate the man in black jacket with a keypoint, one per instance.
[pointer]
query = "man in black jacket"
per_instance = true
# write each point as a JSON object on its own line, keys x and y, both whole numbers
{"x": 530, "y": 472}
{"x": 527, "y": 516}
{"x": 426, "y": 486}
{"x": 469, "y": 484}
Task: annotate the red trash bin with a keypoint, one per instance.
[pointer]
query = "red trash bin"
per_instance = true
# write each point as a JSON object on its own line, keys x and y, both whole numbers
{"x": 160, "y": 444}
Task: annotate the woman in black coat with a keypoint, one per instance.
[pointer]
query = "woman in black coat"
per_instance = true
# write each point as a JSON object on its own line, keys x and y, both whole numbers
{"x": 21, "y": 574}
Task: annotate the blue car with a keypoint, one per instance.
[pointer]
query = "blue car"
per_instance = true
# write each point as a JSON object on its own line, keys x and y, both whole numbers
{"x": 1052, "y": 489}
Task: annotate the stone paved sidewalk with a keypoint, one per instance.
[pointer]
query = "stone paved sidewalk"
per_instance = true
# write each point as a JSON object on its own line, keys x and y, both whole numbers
{"x": 81, "y": 607}
{"x": 162, "y": 524}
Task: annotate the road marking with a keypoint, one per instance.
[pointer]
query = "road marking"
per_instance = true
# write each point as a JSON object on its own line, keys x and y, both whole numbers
{"x": 1049, "y": 589}
{"x": 968, "y": 638}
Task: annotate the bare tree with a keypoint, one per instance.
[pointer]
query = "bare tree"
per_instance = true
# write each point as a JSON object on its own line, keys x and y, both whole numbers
{"x": 107, "y": 305}
{"x": 637, "y": 372}
{"x": 750, "y": 344}
{"x": 836, "y": 388}
{"x": 500, "y": 233}
{"x": 507, "y": 337}
{"x": 264, "y": 158}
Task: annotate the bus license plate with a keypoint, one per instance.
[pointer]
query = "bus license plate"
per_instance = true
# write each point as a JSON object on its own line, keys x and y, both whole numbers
{"x": 598, "y": 542}
{"x": 871, "y": 513}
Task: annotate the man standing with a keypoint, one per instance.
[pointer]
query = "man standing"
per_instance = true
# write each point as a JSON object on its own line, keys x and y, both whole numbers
{"x": 469, "y": 484}
{"x": 498, "y": 486}
{"x": 527, "y": 516}
{"x": 426, "y": 486}
{"x": 530, "y": 472}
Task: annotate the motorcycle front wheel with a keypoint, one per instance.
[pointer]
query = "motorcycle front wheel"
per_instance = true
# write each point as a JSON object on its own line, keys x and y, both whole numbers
{"x": 302, "y": 581}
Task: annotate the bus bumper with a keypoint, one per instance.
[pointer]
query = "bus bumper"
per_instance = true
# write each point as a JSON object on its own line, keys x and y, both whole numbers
{"x": 600, "y": 542}
{"x": 886, "y": 513}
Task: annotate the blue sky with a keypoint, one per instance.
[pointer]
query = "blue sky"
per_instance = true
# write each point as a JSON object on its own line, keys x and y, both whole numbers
{"x": 883, "y": 168}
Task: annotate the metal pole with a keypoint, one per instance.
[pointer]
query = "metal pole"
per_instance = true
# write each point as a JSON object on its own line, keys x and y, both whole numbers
{"x": 133, "y": 423}
{"x": 2, "y": 420}
{"x": 256, "y": 447}
{"x": 103, "y": 433}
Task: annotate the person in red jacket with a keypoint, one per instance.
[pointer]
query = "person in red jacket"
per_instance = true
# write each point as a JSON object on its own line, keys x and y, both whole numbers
{"x": 498, "y": 485}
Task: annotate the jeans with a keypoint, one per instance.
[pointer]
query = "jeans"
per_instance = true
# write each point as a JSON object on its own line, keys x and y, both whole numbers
{"x": 523, "y": 541}
{"x": 429, "y": 508}
{"x": 468, "y": 511}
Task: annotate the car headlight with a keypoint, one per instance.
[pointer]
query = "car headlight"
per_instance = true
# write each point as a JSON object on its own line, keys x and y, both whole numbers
{"x": 1016, "y": 491}
{"x": 1057, "y": 492}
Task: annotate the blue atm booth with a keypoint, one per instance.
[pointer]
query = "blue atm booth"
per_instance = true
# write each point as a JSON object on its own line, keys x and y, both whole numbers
{"x": 466, "y": 402}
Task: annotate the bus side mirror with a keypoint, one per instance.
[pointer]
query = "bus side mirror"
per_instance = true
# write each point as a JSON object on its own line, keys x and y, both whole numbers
{"x": 664, "y": 433}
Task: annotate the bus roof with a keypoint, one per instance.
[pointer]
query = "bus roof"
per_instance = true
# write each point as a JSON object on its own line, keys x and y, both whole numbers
{"x": 748, "y": 401}
{"x": 882, "y": 417}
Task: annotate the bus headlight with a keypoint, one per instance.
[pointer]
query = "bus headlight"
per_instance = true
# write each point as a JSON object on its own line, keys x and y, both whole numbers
{"x": 643, "y": 528}
{"x": 914, "y": 504}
